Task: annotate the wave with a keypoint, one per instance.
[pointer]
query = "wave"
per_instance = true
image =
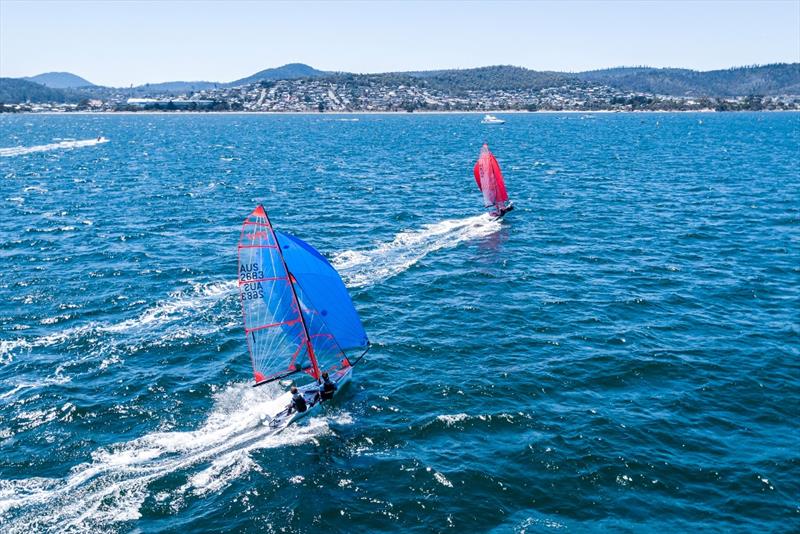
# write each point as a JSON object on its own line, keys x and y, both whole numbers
{"x": 200, "y": 297}
{"x": 358, "y": 269}
{"x": 56, "y": 379}
{"x": 62, "y": 145}
{"x": 8, "y": 347}
{"x": 182, "y": 304}
{"x": 113, "y": 485}
{"x": 452, "y": 419}
{"x": 368, "y": 267}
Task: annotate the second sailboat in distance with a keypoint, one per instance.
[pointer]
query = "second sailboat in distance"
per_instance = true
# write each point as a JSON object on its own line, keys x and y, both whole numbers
{"x": 299, "y": 319}
{"x": 490, "y": 181}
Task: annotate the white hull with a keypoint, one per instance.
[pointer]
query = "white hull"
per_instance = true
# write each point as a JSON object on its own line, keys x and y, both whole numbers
{"x": 491, "y": 119}
{"x": 282, "y": 419}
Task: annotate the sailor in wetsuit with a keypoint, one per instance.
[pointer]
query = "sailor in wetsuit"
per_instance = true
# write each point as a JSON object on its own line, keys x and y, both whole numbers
{"x": 298, "y": 402}
{"x": 327, "y": 389}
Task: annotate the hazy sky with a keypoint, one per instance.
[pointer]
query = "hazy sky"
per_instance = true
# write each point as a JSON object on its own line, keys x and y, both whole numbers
{"x": 121, "y": 43}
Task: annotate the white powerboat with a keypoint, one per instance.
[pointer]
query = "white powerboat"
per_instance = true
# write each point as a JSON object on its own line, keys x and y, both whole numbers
{"x": 491, "y": 119}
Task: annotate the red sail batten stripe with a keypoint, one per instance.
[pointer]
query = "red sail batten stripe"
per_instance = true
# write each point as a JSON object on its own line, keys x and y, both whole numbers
{"x": 262, "y": 327}
{"x": 245, "y": 282}
{"x": 316, "y": 372}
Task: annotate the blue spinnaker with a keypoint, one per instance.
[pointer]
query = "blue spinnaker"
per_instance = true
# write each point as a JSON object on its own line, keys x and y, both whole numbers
{"x": 321, "y": 284}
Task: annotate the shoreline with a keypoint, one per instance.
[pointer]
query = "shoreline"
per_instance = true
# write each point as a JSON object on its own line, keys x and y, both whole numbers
{"x": 405, "y": 113}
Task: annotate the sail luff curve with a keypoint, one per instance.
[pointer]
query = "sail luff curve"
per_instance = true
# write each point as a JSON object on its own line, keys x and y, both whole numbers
{"x": 277, "y": 337}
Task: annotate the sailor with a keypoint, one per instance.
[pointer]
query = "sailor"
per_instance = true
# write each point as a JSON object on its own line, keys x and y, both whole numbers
{"x": 327, "y": 388}
{"x": 298, "y": 402}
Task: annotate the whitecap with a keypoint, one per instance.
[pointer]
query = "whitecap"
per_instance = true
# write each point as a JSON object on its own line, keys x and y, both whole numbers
{"x": 441, "y": 479}
{"x": 450, "y": 420}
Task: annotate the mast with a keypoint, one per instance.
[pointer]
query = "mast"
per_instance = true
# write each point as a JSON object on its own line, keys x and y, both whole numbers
{"x": 290, "y": 276}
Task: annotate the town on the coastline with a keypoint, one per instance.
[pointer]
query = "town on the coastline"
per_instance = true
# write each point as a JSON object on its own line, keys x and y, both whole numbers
{"x": 486, "y": 89}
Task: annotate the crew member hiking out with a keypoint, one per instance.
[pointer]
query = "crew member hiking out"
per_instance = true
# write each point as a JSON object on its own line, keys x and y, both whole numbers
{"x": 327, "y": 389}
{"x": 298, "y": 402}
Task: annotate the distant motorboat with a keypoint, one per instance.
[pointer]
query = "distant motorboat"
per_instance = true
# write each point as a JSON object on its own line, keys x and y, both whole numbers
{"x": 491, "y": 119}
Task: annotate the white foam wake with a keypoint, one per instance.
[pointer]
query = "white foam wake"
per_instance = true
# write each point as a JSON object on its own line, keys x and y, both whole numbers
{"x": 368, "y": 267}
{"x": 21, "y": 150}
{"x": 358, "y": 269}
{"x": 181, "y": 304}
{"x": 114, "y": 484}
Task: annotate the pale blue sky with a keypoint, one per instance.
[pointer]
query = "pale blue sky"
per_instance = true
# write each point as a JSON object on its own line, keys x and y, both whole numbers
{"x": 121, "y": 43}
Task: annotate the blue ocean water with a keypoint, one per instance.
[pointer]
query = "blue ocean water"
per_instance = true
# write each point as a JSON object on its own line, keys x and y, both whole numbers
{"x": 619, "y": 354}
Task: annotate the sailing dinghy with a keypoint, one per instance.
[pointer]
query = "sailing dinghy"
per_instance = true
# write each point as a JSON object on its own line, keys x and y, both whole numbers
{"x": 490, "y": 181}
{"x": 298, "y": 317}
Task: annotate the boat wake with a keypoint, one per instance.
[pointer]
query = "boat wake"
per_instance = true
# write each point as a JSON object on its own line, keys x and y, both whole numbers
{"x": 182, "y": 304}
{"x": 368, "y": 267}
{"x": 358, "y": 269}
{"x": 112, "y": 487}
{"x": 62, "y": 145}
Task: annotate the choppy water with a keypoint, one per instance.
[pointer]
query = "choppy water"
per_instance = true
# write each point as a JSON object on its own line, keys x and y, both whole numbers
{"x": 621, "y": 354}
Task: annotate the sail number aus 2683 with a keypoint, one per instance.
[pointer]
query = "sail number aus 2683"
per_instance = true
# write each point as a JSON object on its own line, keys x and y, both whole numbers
{"x": 252, "y": 291}
{"x": 247, "y": 272}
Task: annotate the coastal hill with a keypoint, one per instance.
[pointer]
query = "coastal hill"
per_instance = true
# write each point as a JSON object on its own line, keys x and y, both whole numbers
{"x": 775, "y": 79}
{"x": 291, "y": 71}
{"x": 299, "y": 87}
{"x": 60, "y": 80}
{"x": 488, "y": 78}
{"x": 14, "y": 90}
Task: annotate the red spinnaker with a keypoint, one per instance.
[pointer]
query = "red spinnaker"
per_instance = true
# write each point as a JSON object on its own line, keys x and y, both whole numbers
{"x": 489, "y": 178}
